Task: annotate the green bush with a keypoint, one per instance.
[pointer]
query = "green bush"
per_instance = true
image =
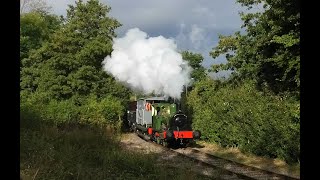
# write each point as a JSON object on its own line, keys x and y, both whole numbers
{"x": 108, "y": 110}
{"x": 32, "y": 107}
{"x": 241, "y": 116}
{"x": 61, "y": 112}
{"x": 104, "y": 111}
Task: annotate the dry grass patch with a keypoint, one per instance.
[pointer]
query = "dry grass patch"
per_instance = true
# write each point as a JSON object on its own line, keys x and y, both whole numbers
{"x": 234, "y": 154}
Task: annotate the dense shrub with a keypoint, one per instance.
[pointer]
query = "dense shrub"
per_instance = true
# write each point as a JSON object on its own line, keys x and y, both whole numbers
{"x": 104, "y": 111}
{"x": 241, "y": 116}
{"x": 62, "y": 112}
{"x": 108, "y": 110}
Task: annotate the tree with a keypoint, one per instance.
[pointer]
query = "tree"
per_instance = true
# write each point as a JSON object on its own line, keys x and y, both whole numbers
{"x": 36, "y": 29}
{"x": 70, "y": 65}
{"x": 195, "y": 61}
{"x": 198, "y": 73}
{"x": 33, "y": 6}
{"x": 270, "y": 50}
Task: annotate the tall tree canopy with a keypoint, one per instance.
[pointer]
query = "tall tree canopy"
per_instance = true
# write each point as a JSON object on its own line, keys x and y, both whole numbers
{"x": 195, "y": 61}
{"x": 269, "y": 51}
{"x": 70, "y": 64}
{"x": 27, "y": 6}
{"x": 36, "y": 29}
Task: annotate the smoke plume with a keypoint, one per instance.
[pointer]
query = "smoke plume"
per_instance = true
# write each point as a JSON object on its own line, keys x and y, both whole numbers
{"x": 148, "y": 64}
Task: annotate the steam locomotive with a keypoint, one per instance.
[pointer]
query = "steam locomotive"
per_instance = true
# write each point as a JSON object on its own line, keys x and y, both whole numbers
{"x": 159, "y": 120}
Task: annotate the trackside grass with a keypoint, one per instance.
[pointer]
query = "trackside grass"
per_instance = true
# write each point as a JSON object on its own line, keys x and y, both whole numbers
{"x": 84, "y": 152}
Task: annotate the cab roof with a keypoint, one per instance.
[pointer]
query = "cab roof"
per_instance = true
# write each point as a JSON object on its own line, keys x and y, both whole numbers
{"x": 154, "y": 99}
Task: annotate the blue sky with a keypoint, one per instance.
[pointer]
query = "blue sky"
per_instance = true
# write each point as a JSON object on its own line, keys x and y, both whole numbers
{"x": 193, "y": 24}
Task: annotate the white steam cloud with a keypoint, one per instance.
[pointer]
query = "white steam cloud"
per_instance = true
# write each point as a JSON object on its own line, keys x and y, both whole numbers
{"x": 148, "y": 64}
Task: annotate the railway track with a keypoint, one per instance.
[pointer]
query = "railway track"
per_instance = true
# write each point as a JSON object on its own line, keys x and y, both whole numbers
{"x": 233, "y": 170}
{"x": 241, "y": 170}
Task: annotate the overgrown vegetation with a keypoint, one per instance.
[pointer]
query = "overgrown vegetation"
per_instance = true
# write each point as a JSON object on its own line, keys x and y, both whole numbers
{"x": 269, "y": 51}
{"x": 258, "y": 107}
{"x": 68, "y": 65}
{"x": 82, "y": 151}
{"x": 66, "y": 98}
{"x": 241, "y": 116}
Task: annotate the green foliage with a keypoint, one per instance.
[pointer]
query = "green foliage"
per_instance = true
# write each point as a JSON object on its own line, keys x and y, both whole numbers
{"x": 36, "y": 29}
{"x": 61, "y": 74}
{"x": 198, "y": 73}
{"x": 269, "y": 52}
{"x": 241, "y": 116}
{"x": 61, "y": 112}
{"x": 70, "y": 64}
{"x": 94, "y": 111}
{"x": 195, "y": 61}
{"x": 109, "y": 110}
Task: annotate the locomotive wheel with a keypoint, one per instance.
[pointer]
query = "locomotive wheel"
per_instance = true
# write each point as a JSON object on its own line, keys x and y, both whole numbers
{"x": 133, "y": 128}
{"x": 183, "y": 145}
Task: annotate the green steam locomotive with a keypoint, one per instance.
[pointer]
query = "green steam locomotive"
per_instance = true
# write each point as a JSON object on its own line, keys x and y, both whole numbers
{"x": 158, "y": 119}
